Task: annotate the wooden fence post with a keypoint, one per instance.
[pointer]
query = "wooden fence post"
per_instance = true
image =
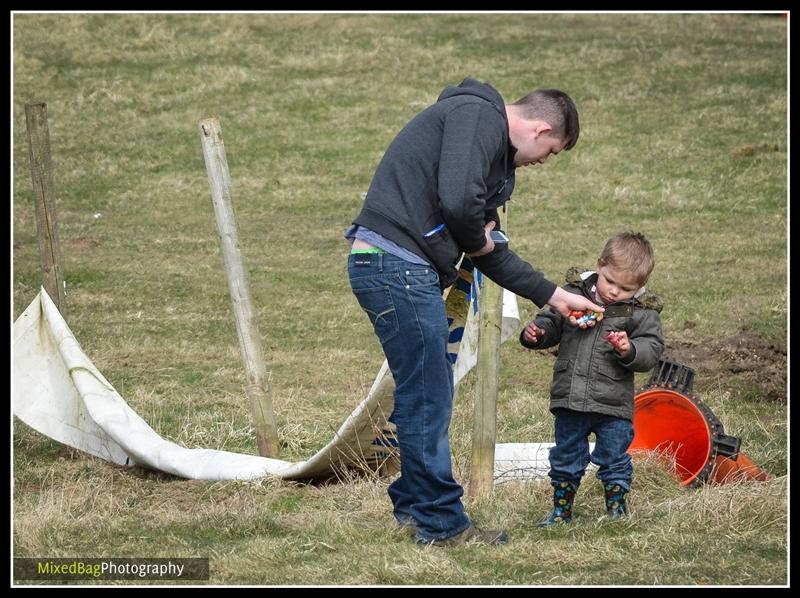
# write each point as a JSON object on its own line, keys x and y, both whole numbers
{"x": 44, "y": 198}
{"x": 484, "y": 425}
{"x": 256, "y": 386}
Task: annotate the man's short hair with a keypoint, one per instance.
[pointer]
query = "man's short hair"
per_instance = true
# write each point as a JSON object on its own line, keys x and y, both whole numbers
{"x": 555, "y": 108}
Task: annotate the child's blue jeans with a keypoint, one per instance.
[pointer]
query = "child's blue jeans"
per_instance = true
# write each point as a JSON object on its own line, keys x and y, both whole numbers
{"x": 570, "y": 456}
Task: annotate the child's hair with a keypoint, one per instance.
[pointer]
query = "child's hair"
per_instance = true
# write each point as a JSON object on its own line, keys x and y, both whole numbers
{"x": 629, "y": 252}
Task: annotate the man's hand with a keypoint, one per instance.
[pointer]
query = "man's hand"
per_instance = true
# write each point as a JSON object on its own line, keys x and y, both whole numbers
{"x": 564, "y": 302}
{"x": 489, "y": 246}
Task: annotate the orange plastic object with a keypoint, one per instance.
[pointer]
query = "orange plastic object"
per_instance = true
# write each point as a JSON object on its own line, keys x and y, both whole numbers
{"x": 686, "y": 431}
{"x": 741, "y": 469}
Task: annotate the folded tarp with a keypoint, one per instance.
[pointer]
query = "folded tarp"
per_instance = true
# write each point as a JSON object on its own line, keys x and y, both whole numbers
{"x": 59, "y": 392}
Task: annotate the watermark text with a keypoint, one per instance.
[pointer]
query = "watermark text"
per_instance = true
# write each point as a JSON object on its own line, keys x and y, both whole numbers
{"x": 46, "y": 569}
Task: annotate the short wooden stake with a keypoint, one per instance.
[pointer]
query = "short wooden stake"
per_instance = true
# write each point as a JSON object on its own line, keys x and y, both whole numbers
{"x": 44, "y": 198}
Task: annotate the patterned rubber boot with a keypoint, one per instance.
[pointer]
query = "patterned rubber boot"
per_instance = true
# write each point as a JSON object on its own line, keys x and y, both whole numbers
{"x": 563, "y": 497}
{"x": 615, "y": 500}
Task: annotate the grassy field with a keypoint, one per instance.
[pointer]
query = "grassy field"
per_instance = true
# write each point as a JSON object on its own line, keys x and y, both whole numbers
{"x": 684, "y": 137}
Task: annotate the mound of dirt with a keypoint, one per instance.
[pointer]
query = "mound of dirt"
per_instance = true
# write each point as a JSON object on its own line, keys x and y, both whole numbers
{"x": 743, "y": 363}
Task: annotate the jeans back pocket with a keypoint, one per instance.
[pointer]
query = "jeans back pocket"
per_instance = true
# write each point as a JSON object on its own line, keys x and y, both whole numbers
{"x": 377, "y": 303}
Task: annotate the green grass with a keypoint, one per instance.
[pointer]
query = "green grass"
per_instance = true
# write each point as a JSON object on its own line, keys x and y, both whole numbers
{"x": 684, "y": 137}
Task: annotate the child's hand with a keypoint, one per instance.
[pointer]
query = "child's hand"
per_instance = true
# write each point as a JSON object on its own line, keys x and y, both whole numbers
{"x": 619, "y": 340}
{"x": 532, "y": 333}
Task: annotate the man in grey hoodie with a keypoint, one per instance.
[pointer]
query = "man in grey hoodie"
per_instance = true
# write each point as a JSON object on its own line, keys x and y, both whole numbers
{"x": 435, "y": 196}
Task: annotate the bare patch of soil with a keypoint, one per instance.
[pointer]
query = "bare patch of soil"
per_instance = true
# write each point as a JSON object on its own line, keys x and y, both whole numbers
{"x": 744, "y": 363}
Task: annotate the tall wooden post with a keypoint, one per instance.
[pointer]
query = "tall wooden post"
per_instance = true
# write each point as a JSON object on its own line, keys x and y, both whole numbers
{"x": 44, "y": 198}
{"x": 484, "y": 425}
{"x": 256, "y": 386}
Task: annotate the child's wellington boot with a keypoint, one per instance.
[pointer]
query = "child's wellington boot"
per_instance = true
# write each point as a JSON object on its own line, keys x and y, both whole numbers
{"x": 563, "y": 497}
{"x": 615, "y": 500}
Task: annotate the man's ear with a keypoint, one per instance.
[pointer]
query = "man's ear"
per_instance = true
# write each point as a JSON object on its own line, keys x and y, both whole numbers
{"x": 541, "y": 127}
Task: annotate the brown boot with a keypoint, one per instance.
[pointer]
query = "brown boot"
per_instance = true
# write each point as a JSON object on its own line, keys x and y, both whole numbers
{"x": 471, "y": 534}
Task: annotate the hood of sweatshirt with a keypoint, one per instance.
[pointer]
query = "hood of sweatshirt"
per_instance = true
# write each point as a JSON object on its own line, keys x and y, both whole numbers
{"x": 473, "y": 87}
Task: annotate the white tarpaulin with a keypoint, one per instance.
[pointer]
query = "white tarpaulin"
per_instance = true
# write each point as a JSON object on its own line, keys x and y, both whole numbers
{"x": 60, "y": 393}
{"x": 525, "y": 461}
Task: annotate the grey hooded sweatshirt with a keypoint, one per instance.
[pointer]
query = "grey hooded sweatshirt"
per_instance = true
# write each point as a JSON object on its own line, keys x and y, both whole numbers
{"x": 448, "y": 171}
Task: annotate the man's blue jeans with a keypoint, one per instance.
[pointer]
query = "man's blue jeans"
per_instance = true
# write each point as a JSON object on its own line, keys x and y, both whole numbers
{"x": 570, "y": 456}
{"x": 404, "y": 303}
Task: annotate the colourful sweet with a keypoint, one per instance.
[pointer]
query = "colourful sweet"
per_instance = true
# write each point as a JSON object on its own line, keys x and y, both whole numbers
{"x": 583, "y": 317}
